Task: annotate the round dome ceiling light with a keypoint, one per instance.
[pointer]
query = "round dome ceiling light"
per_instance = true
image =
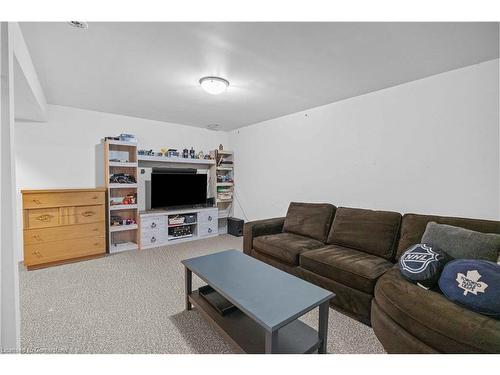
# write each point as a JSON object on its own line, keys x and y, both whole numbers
{"x": 214, "y": 85}
{"x": 79, "y": 24}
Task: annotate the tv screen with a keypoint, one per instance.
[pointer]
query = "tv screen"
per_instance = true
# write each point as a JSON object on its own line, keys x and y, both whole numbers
{"x": 177, "y": 189}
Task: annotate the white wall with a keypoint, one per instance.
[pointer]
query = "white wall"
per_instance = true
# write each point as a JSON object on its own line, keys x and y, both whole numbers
{"x": 428, "y": 146}
{"x": 61, "y": 152}
{"x": 9, "y": 232}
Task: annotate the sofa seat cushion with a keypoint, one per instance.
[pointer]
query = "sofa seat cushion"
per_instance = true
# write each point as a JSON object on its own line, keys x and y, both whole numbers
{"x": 433, "y": 319}
{"x": 309, "y": 219}
{"x": 373, "y": 232}
{"x": 353, "y": 268}
{"x": 285, "y": 246}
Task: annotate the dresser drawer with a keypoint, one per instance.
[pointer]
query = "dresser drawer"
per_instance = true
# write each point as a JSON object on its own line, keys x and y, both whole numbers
{"x": 44, "y": 200}
{"x": 155, "y": 223}
{"x": 207, "y": 217}
{"x": 35, "y": 236}
{"x": 208, "y": 229}
{"x": 61, "y": 250}
{"x": 42, "y": 218}
{"x": 53, "y": 217}
{"x": 85, "y": 214}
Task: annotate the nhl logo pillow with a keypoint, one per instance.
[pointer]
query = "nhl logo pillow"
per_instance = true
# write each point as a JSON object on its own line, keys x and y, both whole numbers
{"x": 422, "y": 264}
{"x": 474, "y": 284}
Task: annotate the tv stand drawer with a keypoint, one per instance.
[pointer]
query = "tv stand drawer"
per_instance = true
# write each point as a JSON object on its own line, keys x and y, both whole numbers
{"x": 153, "y": 238}
{"x": 208, "y": 217}
{"x": 208, "y": 229}
{"x": 154, "y": 223}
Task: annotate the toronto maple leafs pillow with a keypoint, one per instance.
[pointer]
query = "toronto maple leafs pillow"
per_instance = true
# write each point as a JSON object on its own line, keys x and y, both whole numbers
{"x": 474, "y": 284}
{"x": 422, "y": 264}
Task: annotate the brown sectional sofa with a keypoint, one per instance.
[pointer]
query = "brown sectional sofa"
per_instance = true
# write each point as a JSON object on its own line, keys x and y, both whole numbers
{"x": 409, "y": 319}
{"x": 353, "y": 252}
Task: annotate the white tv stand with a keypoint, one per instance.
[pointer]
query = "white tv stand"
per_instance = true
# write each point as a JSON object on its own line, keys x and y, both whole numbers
{"x": 155, "y": 226}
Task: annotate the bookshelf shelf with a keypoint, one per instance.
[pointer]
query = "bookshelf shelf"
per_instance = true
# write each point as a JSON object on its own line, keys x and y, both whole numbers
{"x": 121, "y": 228}
{"x": 123, "y": 207}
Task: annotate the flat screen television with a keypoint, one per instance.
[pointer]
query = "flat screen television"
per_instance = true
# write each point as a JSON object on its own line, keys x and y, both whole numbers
{"x": 178, "y": 189}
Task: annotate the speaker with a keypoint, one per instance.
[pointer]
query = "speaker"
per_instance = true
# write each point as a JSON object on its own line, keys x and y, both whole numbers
{"x": 235, "y": 226}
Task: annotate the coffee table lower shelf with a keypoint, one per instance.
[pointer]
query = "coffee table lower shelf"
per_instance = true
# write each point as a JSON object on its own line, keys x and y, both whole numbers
{"x": 249, "y": 337}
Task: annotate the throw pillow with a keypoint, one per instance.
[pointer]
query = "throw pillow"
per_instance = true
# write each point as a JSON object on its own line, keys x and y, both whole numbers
{"x": 422, "y": 264}
{"x": 474, "y": 284}
{"x": 462, "y": 243}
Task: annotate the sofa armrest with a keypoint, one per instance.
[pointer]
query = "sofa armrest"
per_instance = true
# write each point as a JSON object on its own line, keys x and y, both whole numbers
{"x": 258, "y": 228}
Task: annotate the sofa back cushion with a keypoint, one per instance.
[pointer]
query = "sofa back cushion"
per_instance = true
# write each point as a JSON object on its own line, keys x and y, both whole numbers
{"x": 461, "y": 243}
{"x": 309, "y": 219}
{"x": 413, "y": 227}
{"x": 374, "y": 232}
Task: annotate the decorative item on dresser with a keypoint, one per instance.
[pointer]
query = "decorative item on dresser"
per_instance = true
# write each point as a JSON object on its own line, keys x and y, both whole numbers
{"x": 63, "y": 225}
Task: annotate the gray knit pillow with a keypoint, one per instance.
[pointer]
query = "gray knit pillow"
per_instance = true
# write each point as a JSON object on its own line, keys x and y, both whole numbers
{"x": 462, "y": 243}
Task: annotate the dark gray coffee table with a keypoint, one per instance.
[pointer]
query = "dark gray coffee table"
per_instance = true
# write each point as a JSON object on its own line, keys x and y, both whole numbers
{"x": 269, "y": 301}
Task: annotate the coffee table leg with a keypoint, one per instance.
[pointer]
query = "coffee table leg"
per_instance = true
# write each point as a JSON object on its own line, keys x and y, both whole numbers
{"x": 188, "y": 277}
{"x": 271, "y": 342}
{"x": 324, "y": 309}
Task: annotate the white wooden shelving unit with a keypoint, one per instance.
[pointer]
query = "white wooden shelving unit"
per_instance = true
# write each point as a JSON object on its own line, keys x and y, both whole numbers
{"x": 155, "y": 223}
{"x": 152, "y": 227}
{"x": 124, "y": 237}
{"x": 223, "y": 185}
{"x": 155, "y": 226}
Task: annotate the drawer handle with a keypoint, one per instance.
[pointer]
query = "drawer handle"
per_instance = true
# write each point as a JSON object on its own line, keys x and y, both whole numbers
{"x": 153, "y": 225}
{"x": 95, "y": 230}
{"x": 45, "y": 218}
{"x": 36, "y": 201}
{"x": 37, "y": 253}
{"x": 153, "y": 239}
{"x": 88, "y": 213}
{"x": 96, "y": 243}
{"x": 37, "y": 237}
{"x": 210, "y": 218}
{"x": 95, "y": 197}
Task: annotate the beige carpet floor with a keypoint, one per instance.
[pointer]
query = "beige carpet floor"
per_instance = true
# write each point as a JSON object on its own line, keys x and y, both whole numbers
{"x": 133, "y": 302}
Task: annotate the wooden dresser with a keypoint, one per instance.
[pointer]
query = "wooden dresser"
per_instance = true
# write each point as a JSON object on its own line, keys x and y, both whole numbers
{"x": 63, "y": 225}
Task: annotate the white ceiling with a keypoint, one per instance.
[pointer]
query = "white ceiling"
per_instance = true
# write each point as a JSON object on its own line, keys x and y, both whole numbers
{"x": 151, "y": 70}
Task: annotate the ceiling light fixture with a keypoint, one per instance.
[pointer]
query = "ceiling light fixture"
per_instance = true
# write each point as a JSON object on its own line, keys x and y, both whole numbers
{"x": 79, "y": 24}
{"x": 214, "y": 85}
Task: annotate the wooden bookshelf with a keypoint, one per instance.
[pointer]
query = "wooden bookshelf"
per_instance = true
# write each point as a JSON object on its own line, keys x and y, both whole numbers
{"x": 122, "y": 237}
{"x": 222, "y": 185}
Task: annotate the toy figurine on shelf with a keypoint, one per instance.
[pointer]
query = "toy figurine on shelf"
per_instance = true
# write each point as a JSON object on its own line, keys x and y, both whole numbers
{"x": 221, "y": 147}
{"x": 200, "y": 155}
{"x": 129, "y": 221}
{"x": 192, "y": 153}
{"x": 146, "y": 152}
{"x": 129, "y": 199}
{"x": 172, "y": 152}
{"x": 185, "y": 153}
{"x": 116, "y": 220}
